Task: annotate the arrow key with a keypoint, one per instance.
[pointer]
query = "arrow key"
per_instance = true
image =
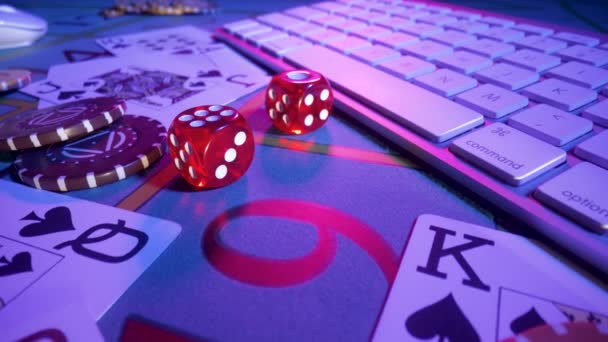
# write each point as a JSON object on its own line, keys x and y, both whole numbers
{"x": 550, "y": 124}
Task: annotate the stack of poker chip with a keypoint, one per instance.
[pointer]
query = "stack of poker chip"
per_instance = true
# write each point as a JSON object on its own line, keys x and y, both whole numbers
{"x": 81, "y": 144}
{"x": 160, "y": 7}
{"x": 11, "y": 79}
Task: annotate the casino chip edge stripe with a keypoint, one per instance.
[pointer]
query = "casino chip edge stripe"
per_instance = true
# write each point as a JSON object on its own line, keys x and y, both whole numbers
{"x": 17, "y": 78}
{"x": 91, "y": 179}
{"x": 105, "y": 117}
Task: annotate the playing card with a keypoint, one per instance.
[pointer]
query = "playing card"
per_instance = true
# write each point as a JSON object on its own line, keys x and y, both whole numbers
{"x": 50, "y": 243}
{"x": 53, "y": 318}
{"x": 181, "y": 40}
{"x": 461, "y": 282}
{"x": 160, "y": 86}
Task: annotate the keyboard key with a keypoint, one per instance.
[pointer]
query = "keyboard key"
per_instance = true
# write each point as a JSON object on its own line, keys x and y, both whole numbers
{"x": 260, "y": 38}
{"x": 465, "y": 15}
{"x": 532, "y": 60}
{"x": 421, "y": 30}
{"x": 305, "y": 28}
{"x": 413, "y": 14}
{"x": 438, "y": 9}
{"x": 396, "y": 40}
{"x": 323, "y": 36}
{"x": 347, "y": 25}
{"x": 492, "y": 101}
{"x": 542, "y": 44}
{"x": 348, "y": 12}
{"x": 394, "y": 23}
{"x": 560, "y": 94}
{"x": 278, "y": 47}
{"x": 594, "y": 149}
{"x": 497, "y": 21}
{"x": 327, "y": 19}
{"x": 429, "y": 115}
{"x": 305, "y": 12}
{"x": 463, "y": 62}
{"x": 370, "y": 32}
{"x": 387, "y": 9}
{"x": 551, "y": 124}
{"x": 507, "y": 76}
{"x": 598, "y": 113}
{"x": 413, "y": 4}
{"x": 488, "y": 48}
{"x": 501, "y": 34}
{"x": 533, "y": 29}
{"x": 446, "y": 82}
{"x": 329, "y": 6}
{"x": 576, "y": 38}
{"x": 589, "y": 55}
{"x": 427, "y": 50}
{"x": 369, "y": 17}
{"x": 508, "y": 154}
{"x": 579, "y": 193}
{"x": 437, "y": 19}
{"x": 453, "y": 38}
{"x": 348, "y": 44}
{"x": 236, "y": 25}
{"x": 375, "y": 54}
{"x": 407, "y": 67}
{"x": 249, "y": 31}
{"x": 279, "y": 20}
{"x": 580, "y": 74}
{"x": 468, "y": 26}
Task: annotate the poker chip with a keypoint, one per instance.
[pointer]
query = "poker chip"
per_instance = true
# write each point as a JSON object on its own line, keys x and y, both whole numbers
{"x": 11, "y": 79}
{"x": 564, "y": 332}
{"x": 59, "y": 123}
{"x": 111, "y": 154}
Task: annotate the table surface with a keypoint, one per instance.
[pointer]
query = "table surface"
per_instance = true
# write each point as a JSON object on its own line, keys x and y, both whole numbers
{"x": 340, "y": 171}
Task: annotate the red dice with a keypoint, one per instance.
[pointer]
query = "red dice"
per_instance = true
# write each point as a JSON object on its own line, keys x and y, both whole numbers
{"x": 299, "y": 101}
{"x": 211, "y": 146}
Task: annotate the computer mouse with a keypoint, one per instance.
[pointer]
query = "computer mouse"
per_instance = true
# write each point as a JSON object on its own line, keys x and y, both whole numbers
{"x": 18, "y": 28}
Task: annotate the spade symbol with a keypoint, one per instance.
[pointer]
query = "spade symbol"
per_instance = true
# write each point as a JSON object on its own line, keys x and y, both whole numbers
{"x": 65, "y": 95}
{"x": 443, "y": 319}
{"x": 526, "y": 321}
{"x": 22, "y": 262}
{"x": 184, "y": 52}
{"x": 55, "y": 220}
{"x": 121, "y": 46}
{"x": 210, "y": 73}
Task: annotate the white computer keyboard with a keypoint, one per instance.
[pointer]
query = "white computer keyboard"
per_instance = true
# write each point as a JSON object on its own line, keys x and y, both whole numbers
{"x": 514, "y": 111}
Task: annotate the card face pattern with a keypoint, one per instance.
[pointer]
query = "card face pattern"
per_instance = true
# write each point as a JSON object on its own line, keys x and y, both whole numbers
{"x": 462, "y": 282}
{"x": 180, "y": 40}
{"x": 155, "y": 82}
{"x": 50, "y": 240}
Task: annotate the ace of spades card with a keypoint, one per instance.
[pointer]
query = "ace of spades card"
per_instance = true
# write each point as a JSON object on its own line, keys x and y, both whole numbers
{"x": 52, "y": 244}
{"x": 461, "y": 282}
{"x": 180, "y": 40}
{"x": 155, "y": 85}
